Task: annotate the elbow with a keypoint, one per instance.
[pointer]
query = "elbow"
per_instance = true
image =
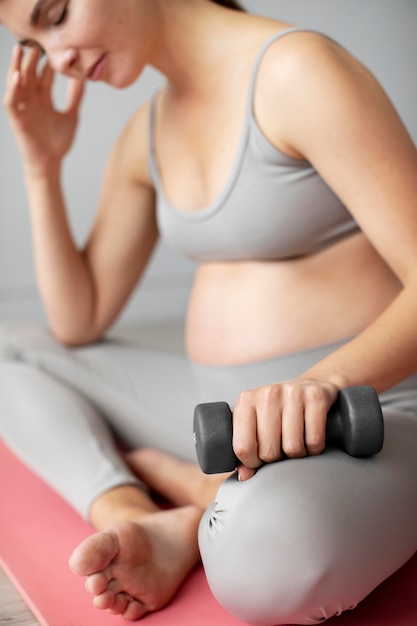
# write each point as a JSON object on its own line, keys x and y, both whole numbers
{"x": 76, "y": 336}
{"x": 76, "y": 342}
{"x": 73, "y": 340}
{"x": 81, "y": 324}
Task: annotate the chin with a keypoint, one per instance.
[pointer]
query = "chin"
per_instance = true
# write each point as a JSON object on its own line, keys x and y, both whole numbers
{"x": 124, "y": 80}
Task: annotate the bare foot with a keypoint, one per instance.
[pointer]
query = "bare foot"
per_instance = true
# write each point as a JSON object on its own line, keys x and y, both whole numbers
{"x": 178, "y": 481}
{"x": 135, "y": 568}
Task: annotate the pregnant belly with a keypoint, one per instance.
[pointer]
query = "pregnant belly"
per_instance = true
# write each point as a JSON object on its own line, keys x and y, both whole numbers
{"x": 247, "y": 311}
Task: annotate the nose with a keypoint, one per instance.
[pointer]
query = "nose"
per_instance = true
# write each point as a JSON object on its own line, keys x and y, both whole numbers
{"x": 63, "y": 61}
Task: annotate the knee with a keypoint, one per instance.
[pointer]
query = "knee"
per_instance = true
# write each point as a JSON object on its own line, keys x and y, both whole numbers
{"x": 264, "y": 566}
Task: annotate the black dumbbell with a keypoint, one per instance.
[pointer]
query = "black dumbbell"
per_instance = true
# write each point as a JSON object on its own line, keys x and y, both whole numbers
{"x": 354, "y": 424}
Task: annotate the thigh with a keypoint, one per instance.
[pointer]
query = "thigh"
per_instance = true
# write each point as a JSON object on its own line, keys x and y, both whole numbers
{"x": 306, "y": 539}
{"x": 147, "y": 396}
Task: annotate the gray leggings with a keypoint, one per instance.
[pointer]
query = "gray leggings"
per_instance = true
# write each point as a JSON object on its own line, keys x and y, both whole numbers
{"x": 300, "y": 542}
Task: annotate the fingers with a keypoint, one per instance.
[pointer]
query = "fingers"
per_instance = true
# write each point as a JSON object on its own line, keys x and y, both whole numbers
{"x": 29, "y": 68}
{"x": 24, "y": 78}
{"x": 75, "y": 93}
{"x": 304, "y": 420}
{"x": 244, "y": 473}
{"x": 269, "y": 410}
{"x": 315, "y": 419}
{"x": 47, "y": 76}
{"x": 293, "y": 419}
{"x": 26, "y": 65}
{"x": 13, "y": 77}
{"x": 245, "y": 436}
{"x": 15, "y": 64}
{"x": 281, "y": 420}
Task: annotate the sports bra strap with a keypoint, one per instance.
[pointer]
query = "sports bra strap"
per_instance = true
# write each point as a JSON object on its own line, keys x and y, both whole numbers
{"x": 259, "y": 57}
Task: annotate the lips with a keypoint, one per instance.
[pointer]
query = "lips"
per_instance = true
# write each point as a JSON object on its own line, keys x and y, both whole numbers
{"x": 96, "y": 70}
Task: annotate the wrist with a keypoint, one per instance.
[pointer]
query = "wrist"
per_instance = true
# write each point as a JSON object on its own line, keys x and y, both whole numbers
{"x": 42, "y": 171}
{"x": 36, "y": 175}
{"x": 335, "y": 382}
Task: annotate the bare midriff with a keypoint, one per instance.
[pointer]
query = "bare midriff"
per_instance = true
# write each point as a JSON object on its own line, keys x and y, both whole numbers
{"x": 252, "y": 310}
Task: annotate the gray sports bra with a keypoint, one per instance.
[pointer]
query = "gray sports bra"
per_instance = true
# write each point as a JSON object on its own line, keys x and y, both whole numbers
{"x": 272, "y": 206}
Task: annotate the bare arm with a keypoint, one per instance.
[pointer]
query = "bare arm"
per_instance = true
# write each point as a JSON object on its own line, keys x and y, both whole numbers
{"x": 333, "y": 113}
{"x": 355, "y": 139}
{"x": 82, "y": 290}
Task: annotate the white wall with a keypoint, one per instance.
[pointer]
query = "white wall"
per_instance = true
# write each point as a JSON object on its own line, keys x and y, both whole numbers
{"x": 379, "y": 32}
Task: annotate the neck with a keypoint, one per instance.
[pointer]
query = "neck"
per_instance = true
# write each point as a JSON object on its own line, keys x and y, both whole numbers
{"x": 195, "y": 40}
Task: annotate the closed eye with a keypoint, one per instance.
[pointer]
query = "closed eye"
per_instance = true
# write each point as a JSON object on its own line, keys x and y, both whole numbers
{"x": 63, "y": 16}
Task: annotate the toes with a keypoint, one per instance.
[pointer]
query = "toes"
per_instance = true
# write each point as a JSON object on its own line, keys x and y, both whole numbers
{"x": 112, "y": 599}
{"x": 120, "y": 604}
{"x": 97, "y": 583}
{"x": 94, "y": 554}
{"x": 135, "y": 610}
{"x": 105, "y": 600}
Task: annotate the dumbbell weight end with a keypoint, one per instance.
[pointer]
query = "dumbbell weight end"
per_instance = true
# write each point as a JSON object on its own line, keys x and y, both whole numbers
{"x": 355, "y": 423}
{"x": 213, "y": 433}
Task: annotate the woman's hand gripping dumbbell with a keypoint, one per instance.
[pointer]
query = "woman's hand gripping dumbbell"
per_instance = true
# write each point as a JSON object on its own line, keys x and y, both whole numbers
{"x": 354, "y": 424}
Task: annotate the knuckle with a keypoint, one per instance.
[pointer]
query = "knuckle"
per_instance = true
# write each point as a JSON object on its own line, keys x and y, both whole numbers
{"x": 242, "y": 448}
{"x": 294, "y": 449}
{"x": 244, "y": 399}
{"x": 264, "y": 396}
{"x": 269, "y": 396}
{"x": 315, "y": 445}
{"x": 269, "y": 453}
{"x": 315, "y": 438}
{"x": 315, "y": 395}
{"x": 267, "y": 393}
{"x": 247, "y": 453}
{"x": 290, "y": 389}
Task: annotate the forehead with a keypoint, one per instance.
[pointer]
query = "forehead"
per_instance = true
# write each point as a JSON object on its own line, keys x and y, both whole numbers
{"x": 15, "y": 12}
{"x": 21, "y": 14}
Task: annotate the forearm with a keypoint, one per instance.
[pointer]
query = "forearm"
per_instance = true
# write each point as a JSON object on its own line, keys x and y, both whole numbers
{"x": 62, "y": 274}
{"x": 382, "y": 355}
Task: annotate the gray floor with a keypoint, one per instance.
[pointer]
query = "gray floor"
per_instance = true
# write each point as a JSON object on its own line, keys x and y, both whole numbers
{"x": 13, "y": 610}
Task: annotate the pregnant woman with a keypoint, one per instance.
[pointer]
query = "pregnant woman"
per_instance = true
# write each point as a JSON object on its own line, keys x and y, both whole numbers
{"x": 274, "y": 159}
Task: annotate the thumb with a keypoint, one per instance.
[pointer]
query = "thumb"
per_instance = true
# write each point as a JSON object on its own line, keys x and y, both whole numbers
{"x": 244, "y": 473}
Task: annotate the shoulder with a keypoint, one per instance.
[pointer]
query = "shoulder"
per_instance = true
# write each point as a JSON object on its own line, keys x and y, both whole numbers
{"x": 297, "y": 52}
{"x": 305, "y": 77}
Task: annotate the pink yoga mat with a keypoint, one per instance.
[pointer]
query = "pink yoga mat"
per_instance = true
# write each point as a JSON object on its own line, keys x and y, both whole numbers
{"x": 38, "y": 532}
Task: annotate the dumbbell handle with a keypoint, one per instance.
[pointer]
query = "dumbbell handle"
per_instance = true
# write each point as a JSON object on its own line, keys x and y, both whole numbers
{"x": 354, "y": 424}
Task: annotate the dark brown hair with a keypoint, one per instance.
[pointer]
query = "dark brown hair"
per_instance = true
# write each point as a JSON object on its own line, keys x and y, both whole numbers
{"x": 230, "y": 4}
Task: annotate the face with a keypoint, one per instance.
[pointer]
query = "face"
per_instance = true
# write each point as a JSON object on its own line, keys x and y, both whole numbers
{"x": 104, "y": 40}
